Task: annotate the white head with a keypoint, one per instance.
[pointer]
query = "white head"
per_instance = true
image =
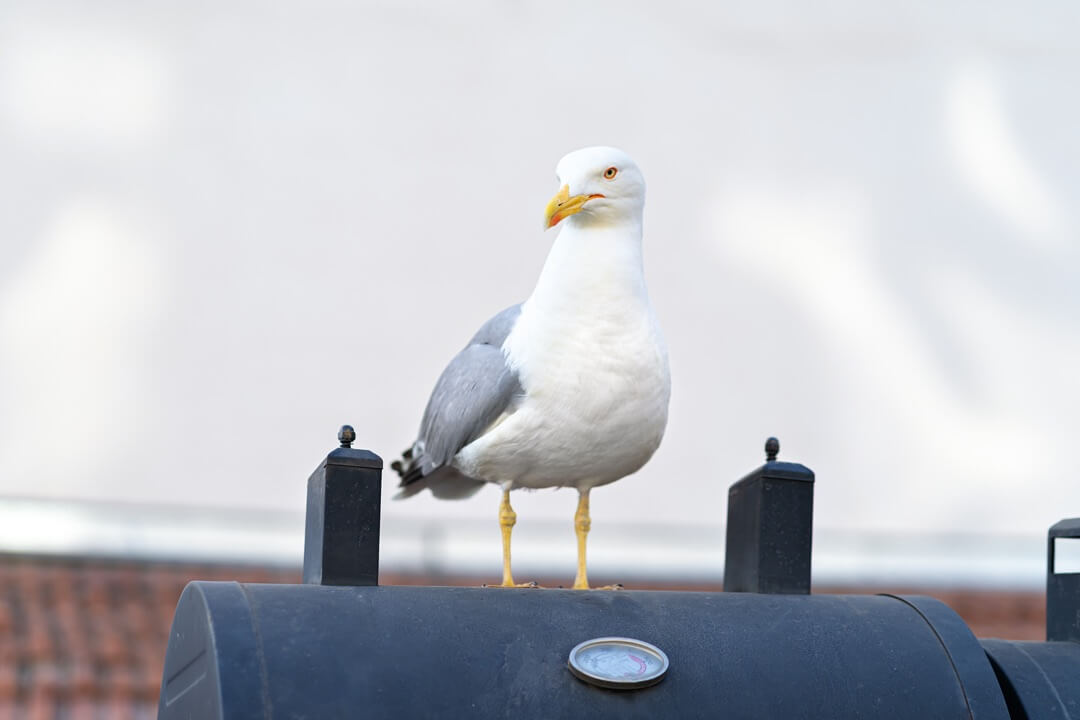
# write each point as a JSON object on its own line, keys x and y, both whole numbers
{"x": 600, "y": 186}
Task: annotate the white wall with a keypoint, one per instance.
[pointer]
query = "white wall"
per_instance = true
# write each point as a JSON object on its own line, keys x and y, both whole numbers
{"x": 229, "y": 228}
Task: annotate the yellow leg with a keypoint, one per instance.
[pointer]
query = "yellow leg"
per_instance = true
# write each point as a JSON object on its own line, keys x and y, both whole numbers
{"x": 507, "y": 520}
{"x": 582, "y": 524}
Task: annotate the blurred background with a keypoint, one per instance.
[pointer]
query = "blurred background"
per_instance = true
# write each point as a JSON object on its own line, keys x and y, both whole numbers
{"x": 229, "y": 228}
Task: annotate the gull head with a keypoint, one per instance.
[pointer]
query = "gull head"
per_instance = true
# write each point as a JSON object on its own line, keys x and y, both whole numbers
{"x": 599, "y": 186}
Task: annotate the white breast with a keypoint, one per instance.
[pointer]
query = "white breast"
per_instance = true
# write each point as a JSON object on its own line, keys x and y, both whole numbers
{"x": 594, "y": 369}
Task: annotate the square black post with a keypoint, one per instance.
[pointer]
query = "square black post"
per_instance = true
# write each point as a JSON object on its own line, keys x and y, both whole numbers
{"x": 1062, "y": 588}
{"x": 344, "y": 498}
{"x": 770, "y": 525}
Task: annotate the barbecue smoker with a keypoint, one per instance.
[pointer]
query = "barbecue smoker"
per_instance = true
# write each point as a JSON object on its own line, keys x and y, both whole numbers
{"x": 341, "y": 646}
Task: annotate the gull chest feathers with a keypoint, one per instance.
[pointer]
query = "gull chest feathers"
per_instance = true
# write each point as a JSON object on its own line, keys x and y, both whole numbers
{"x": 592, "y": 366}
{"x": 570, "y": 388}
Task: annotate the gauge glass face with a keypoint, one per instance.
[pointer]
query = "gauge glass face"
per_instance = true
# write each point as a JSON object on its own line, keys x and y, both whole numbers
{"x": 618, "y": 662}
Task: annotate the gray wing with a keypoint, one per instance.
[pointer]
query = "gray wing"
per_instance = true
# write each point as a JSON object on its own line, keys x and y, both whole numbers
{"x": 472, "y": 392}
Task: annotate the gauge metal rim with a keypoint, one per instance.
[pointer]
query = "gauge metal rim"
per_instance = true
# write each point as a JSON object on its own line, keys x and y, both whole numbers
{"x": 612, "y": 683}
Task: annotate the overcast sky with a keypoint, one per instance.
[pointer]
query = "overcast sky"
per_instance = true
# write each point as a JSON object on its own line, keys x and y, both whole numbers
{"x": 228, "y": 228}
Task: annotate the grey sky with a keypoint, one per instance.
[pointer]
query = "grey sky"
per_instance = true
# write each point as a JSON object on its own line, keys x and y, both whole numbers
{"x": 228, "y": 229}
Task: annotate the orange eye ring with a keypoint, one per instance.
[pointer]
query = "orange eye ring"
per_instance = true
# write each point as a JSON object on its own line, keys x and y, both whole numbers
{"x": 610, "y": 173}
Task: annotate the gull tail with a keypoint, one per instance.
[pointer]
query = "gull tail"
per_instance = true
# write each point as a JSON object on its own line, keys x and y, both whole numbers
{"x": 444, "y": 482}
{"x": 410, "y": 471}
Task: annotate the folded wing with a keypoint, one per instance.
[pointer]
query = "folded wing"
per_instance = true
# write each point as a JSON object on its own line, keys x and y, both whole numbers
{"x": 474, "y": 391}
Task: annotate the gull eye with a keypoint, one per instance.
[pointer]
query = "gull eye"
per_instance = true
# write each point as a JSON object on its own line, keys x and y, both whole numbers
{"x": 610, "y": 173}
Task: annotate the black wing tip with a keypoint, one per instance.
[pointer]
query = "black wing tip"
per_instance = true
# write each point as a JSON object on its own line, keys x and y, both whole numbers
{"x": 408, "y": 468}
{"x": 410, "y": 476}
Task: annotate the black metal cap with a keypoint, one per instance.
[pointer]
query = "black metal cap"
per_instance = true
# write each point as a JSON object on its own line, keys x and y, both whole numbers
{"x": 341, "y": 532}
{"x": 346, "y": 455}
{"x": 770, "y": 528}
{"x": 777, "y": 469}
{"x": 772, "y": 449}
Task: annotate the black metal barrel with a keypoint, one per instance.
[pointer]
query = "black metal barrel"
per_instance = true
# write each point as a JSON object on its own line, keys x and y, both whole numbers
{"x": 308, "y": 651}
{"x": 1038, "y": 679}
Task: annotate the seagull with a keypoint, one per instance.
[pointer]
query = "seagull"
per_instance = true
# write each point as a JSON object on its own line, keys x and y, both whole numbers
{"x": 569, "y": 388}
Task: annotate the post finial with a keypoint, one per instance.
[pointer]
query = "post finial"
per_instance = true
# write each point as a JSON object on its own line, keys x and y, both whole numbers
{"x": 346, "y": 435}
{"x": 772, "y": 448}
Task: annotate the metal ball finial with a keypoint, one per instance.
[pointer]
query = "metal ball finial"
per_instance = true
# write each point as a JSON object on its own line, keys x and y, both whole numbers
{"x": 772, "y": 447}
{"x": 346, "y": 435}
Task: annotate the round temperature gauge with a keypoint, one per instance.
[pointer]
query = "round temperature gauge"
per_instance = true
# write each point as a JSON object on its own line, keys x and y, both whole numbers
{"x": 618, "y": 663}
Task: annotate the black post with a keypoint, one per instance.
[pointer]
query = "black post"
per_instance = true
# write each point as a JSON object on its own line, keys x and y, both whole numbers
{"x": 341, "y": 539}
{"x": 1062, "y": 588}
{"x": 770, "y": 525}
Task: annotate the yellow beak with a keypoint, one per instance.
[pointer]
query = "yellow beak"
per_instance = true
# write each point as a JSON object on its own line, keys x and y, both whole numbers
{"x": 563, "y": 206}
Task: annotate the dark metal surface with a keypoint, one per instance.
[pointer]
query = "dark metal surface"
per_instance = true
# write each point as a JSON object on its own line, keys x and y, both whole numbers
{"x": 966, "y": 656}
{"x": 1062, "y": 589}
{"x": 304, "y": 651}
{"x": 341, "y": 536}
{"x": 1038, "y": 680}
{"x": 770, "y": 528}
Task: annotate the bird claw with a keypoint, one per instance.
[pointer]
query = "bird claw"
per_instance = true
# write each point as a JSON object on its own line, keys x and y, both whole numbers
{"x": 512, "y": 585}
